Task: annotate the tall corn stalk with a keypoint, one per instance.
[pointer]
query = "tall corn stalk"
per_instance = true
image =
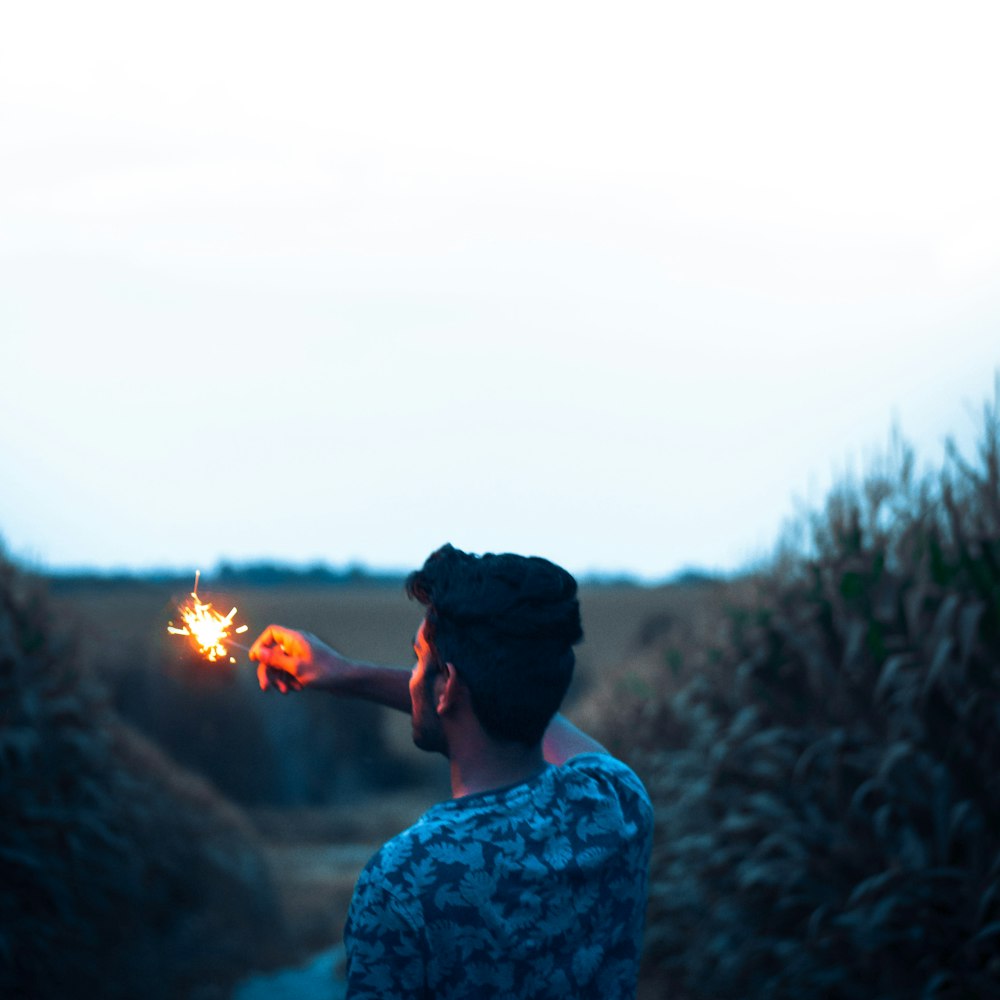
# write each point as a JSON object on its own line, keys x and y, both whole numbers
{"x": 829, "y": 817}
{"x": 120, "y": 875}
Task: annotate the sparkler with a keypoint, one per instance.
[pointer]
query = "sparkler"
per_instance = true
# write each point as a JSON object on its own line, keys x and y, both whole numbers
{"x": 208, "y": 628}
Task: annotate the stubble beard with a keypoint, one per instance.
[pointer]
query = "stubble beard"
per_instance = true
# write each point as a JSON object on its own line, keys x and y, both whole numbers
{"x": 428, "y": 733}
{"x": 430, "y": 738}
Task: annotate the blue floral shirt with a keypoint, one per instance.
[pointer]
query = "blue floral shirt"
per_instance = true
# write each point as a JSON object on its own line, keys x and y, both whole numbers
{"x": 528, "y": 892}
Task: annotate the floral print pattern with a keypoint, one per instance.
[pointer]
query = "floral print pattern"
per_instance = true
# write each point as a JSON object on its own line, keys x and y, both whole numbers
{"x": 525, "y": 893}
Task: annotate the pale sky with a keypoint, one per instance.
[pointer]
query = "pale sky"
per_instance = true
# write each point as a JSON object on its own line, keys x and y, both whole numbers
{"x": 616, "y": 284}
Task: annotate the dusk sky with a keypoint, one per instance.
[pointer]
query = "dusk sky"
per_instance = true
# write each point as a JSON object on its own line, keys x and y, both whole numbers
{"x": 614, "y": 284}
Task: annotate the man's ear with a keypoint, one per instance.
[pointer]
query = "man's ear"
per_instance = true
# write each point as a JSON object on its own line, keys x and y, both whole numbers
{"x": 446, "y": 690}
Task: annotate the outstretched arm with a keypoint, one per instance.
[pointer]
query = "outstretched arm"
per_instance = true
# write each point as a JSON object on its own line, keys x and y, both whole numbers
{"x": 291, "y": 660}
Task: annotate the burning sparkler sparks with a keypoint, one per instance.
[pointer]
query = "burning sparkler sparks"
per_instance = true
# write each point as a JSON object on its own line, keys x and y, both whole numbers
{"x": 208, "y": 628}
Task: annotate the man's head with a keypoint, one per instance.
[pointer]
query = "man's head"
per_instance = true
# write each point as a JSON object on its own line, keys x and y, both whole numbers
{"x": 508, "y": 625}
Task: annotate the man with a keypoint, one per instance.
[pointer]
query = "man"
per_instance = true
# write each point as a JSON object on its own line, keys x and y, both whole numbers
{"x": 531, "y": 881}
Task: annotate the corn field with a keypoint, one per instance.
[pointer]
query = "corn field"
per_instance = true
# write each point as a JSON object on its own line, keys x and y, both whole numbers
{"x": 120, "y": 875}
{"x": 827, "y": 784}
{"x": 821, "y": 740}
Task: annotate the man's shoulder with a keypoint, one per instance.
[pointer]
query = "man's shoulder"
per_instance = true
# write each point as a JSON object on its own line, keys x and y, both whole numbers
{"x": 458, "y": 830}
{"x": 600, "y": 775}
{"x": 400, "y": 861}
{"x": 605, "y": 766}
{"x": 400, "y": 848}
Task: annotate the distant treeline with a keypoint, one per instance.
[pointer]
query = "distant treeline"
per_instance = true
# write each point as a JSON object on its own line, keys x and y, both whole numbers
{"x": 230, "y": 575}
{"x": 272, "y": 574}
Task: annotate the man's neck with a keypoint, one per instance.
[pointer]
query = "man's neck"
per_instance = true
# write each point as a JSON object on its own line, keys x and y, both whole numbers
{"x": 487, "y": 765}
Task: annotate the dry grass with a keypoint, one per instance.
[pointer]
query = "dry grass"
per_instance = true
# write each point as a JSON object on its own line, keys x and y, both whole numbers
{"x": 310, "y": 857}
{"x": 123, "y": 629}
{"x": 316, "y": 854}
{"x": 123, "y": 875}
{"x": 372, "y": 623}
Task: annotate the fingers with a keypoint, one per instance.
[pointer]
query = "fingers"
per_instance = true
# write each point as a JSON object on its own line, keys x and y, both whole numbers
{"x": 290, "y": 683}
{"x": 279, "y": 653}
{"x": 276, "y": 657}
{"x": 278, "y": 639}
{"x": 272, "y": 677}
{"x": 273, "y": 635}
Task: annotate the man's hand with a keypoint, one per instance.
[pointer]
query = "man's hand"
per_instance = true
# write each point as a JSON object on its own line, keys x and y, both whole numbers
{"x": 291, "y": 660}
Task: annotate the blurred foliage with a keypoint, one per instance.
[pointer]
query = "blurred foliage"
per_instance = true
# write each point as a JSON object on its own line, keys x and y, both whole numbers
{"x": 826, "y": 776}
{"x": 226, "y": 574}
{"x": 261, "y": 750}
{"x": 122, "y": 875}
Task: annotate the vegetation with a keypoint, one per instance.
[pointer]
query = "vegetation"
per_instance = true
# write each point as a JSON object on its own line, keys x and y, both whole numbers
{"x": 265, "y": 751}
{"x": 259, "y": 750}
{"x": 122, "y": 875}
{"x": 820, "y": 739}
{"x": 825, "y": 776}
{"x": 260, "y": 574}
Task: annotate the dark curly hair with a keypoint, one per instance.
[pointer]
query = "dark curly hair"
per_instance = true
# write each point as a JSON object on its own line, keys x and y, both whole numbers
{"x": 508, "y": 624}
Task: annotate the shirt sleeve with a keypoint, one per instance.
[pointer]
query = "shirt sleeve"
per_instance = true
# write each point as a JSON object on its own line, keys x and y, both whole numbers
{"x": 385, "y": 959}
{"x": 620, "y": 781}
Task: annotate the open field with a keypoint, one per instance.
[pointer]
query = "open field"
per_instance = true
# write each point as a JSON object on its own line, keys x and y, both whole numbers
{"x": 122, "y": 629}
{"x": 818, "y": 741}
{"x": 375, "y": 623}
{"x": 316, "y": 851}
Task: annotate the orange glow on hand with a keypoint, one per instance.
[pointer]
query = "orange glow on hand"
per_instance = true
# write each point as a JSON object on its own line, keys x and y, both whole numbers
{"x": 206, "y": 627}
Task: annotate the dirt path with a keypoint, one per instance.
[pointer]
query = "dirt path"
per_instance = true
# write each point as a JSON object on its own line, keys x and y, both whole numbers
{"x": 315, "y": 857}
{"x": 315, "y": 883}
{"x": 320, "y": 977}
